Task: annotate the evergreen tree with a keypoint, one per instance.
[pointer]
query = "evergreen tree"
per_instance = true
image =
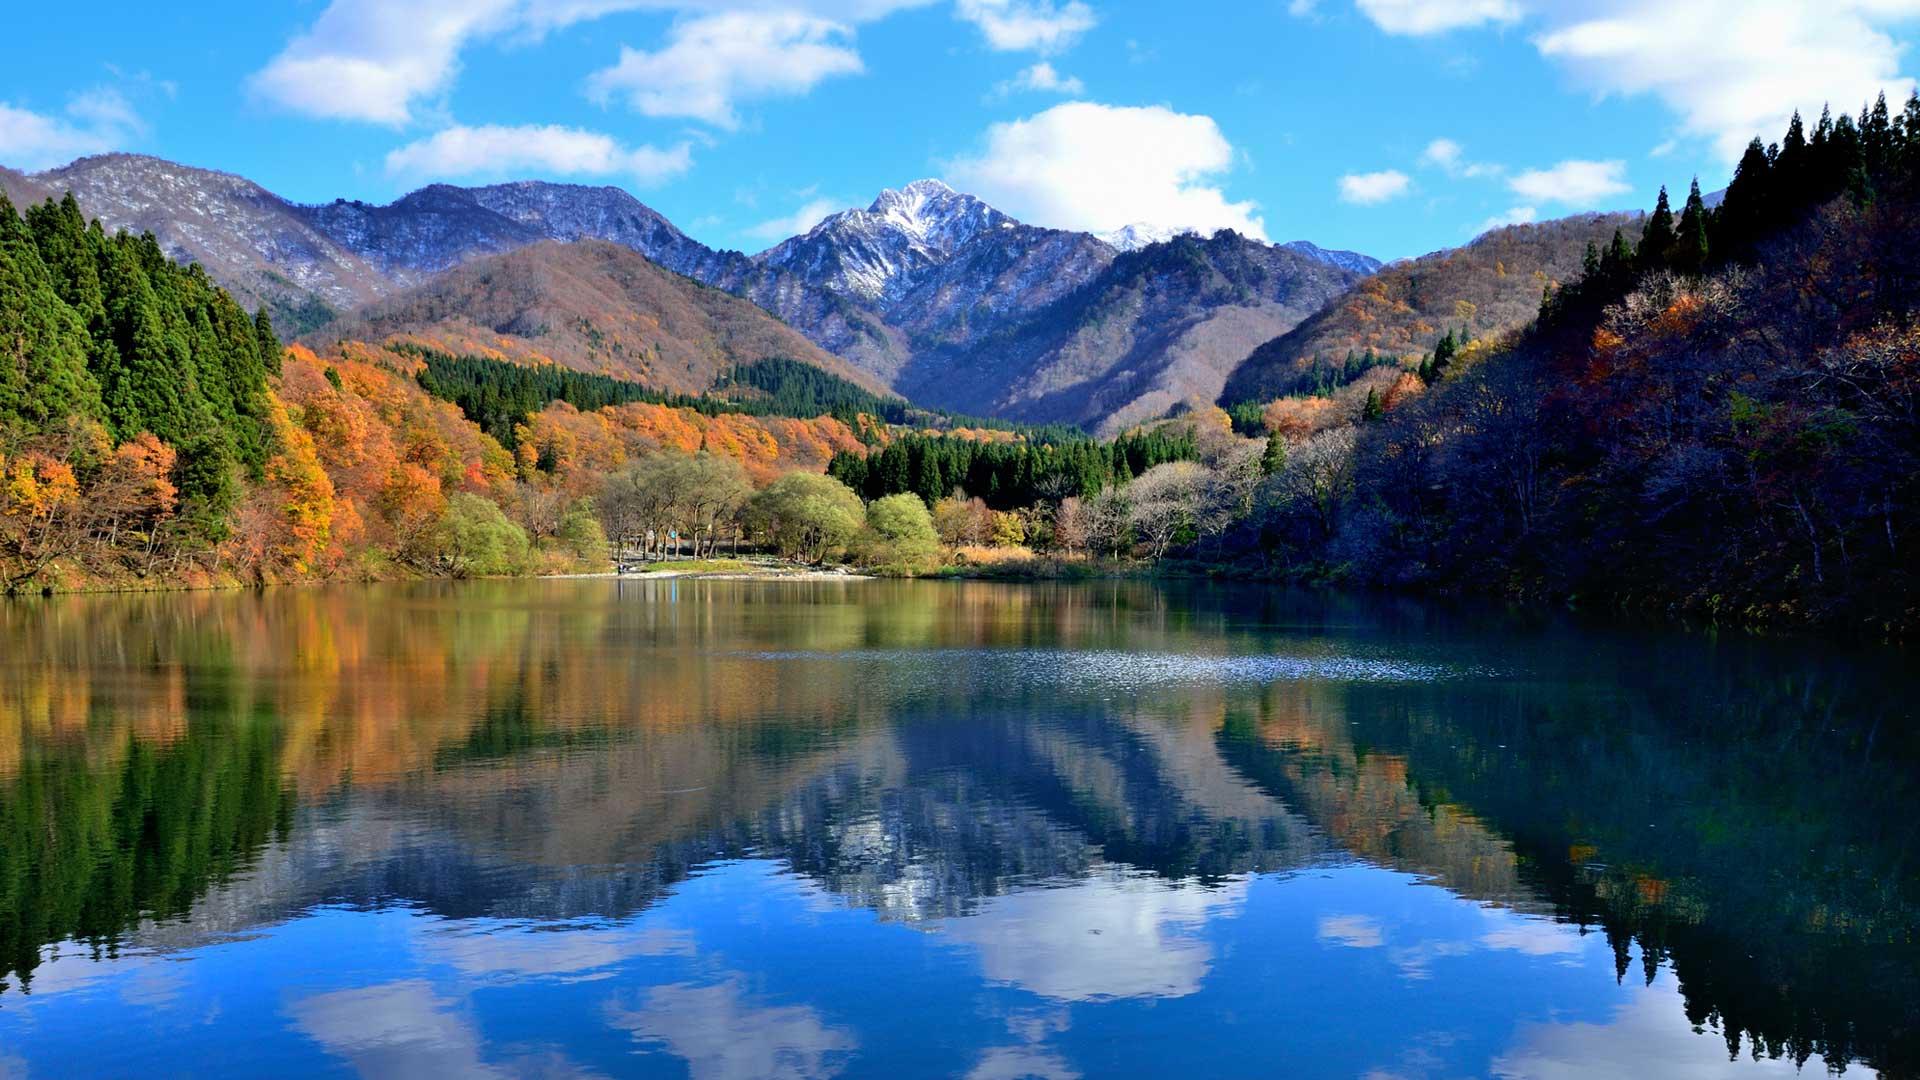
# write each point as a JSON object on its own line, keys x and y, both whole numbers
{"x": 1745, "y": 211}
{"x": 1689, "y": 253}
{"x": 1274, "y": 457}
{"x": 43, "y": 359}
{"x": 266, "y": 341}
{"x": 1373, "y": 410}
{"x": 1657, "y": 240}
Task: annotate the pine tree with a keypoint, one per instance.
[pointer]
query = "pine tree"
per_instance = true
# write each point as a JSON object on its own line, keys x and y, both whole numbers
{"x": 1373, "y": 410}
{"x": 1689, "y": 254}
{"x": 43, "y": 342}
{"x": 1443, "y": 354}
{"x": 266, "y": 341}
{"x": 1746, "y": 210}
{"x": 1793, "y": 169}
{"x": 143, "y": 389}
{"x": 1657, "y": 240}
{"x": 1274, "y": 457}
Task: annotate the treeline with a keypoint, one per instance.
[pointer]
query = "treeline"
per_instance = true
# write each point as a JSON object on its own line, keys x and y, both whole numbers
{"x": 107, "y": 334}
{"x": 1007, "y": 475}
{"x": 1775, "y": 187}
{"x": 501, "y": 396}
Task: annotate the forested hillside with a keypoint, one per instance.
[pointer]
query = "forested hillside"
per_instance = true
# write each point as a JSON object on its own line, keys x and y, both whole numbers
{"x": 153, "y": 434}
{"x": 1717, "y": 415}
{"x": 592, "y": 306}
{"x": 1488, "y": 288}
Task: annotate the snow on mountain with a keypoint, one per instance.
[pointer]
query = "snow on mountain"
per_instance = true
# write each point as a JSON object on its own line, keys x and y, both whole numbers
{"x": 1141, "y": 234}
{"x": 1345, "y": 260}
{"x": 876, "y": 254}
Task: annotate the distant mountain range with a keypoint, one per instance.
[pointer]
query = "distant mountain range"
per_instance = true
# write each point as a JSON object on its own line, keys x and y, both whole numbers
{"x": 927, "y": 291}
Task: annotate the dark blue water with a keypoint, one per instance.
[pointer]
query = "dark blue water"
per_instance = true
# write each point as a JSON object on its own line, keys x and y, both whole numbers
{"x": 930, "y": 829}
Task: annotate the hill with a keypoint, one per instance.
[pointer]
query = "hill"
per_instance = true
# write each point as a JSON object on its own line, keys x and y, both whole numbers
{"x": 1489, "y": 287}
{"x": 592, "y": 306}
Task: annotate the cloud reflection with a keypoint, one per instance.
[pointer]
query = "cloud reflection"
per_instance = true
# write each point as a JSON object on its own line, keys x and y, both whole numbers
{"x": 723, "y": 1035}
{"x": 1115, "y": 936}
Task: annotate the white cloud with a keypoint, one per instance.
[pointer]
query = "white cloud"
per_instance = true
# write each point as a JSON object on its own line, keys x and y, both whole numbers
{"x": 1729, "y": 69}
{"x": 713, "y": 62}
{"x": 494, "y": 150}
{"x": 378, "y": 60}
{"x": 1573, "y": 183}
{"x": 1021, "y": 25}
{"x": 1042, "y": 77}
{"x": 812, "y": 213}
{"x": 1512, "y": 215}
{"x": 97, "y": 121}
{"x": 1093, "y": 167}
{"x": 1734, "y": 69}
{"x": 373, "y": 60}
{"x": 1435, "y": 16}
{"x": 1374, "y": 188}
{"x": 1451, "y": 158}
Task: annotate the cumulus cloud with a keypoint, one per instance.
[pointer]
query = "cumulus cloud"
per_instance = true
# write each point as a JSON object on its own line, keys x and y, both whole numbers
{"x": 1094, "y": 167}
{"x": 1734, "y": 69}
{"x": 1572, "y": 183}
{"x": 711, "y": 63}
{"x": 377, "y": 61}
{"x": 1043, "y": 78}
{"x": 801, "y": 221}
{"x": 373, "y": 60}
{"x": 492, "y": 149}
{"x": 1022, "y": 25}
{"x": 1451, "y": 158}
{"x": 1374, "y": 188}
{"x": 96, "y": 121}
{"x": 1435, "y": 16}
{"x": 1728, "y": 69}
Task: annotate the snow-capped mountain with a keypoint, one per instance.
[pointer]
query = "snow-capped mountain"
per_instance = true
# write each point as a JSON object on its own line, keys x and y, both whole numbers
{"x": 1142, "y": 234}
{"x": 923, "y": 288}
{"x": 877, "y": 254}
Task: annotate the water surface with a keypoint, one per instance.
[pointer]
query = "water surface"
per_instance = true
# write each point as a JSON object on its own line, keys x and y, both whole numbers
{"x": 885, "y": 829}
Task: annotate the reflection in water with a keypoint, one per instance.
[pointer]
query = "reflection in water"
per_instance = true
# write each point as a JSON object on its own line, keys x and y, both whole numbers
{"x": 810, "y": 830}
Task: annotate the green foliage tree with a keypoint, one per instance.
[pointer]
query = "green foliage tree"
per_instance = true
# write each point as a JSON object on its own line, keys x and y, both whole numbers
{"x": 471, "y": 538}
{"x": 899, "y": 532}
{"x": 807, "y": 515}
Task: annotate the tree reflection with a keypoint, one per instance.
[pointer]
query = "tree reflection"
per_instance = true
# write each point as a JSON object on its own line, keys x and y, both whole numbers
{"x": 1735, "y": 812}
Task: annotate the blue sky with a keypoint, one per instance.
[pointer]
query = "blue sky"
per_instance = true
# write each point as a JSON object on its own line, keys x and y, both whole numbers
{"x": 1392, "y": 127}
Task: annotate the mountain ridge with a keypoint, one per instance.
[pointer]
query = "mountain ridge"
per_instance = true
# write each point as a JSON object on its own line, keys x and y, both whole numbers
{"x": 896, "y": 289}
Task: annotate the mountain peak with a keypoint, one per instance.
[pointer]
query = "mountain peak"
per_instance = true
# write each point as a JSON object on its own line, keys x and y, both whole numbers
{"x": 928, "y": 212}
{"x": 1142, "y": 234}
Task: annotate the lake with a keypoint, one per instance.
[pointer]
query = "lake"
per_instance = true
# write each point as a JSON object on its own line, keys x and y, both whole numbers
{"x": 922, "y": 829}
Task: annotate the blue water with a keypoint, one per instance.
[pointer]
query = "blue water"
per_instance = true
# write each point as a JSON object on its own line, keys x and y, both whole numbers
{"x": 892, "y": 829}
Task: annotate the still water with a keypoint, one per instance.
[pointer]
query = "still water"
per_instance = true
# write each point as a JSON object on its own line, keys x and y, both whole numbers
{"x": 888, "y": 829}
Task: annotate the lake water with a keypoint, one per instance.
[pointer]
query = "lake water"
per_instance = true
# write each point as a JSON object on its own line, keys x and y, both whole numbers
{"x": 893, "y": 829}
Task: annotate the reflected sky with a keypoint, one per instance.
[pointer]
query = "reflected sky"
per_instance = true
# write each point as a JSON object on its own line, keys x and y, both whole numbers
{"x": 728, "y": 830}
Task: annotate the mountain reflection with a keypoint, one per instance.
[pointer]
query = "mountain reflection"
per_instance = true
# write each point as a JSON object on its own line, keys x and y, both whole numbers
{"x": 1070, "y": 782}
